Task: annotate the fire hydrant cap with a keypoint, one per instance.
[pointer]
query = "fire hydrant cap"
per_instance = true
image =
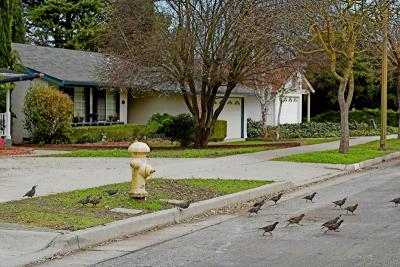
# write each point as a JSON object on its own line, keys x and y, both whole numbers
{"x": 138, "y": 147}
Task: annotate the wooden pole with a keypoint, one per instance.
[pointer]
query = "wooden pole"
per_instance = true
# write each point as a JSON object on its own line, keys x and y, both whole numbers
{"x": 383, "y": 142}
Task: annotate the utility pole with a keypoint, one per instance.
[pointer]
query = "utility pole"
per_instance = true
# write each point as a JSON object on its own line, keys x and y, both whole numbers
{"x": 384, "y": 78}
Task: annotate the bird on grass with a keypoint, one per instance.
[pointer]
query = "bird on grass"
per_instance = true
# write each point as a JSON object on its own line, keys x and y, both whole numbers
{"x": 310, "y": 197}
{"x": 295, "y": 220}
{"x": 276, "y": 198}
{"x": 339, "y": 203}
{"x": 183, "y": 205}
{"x": 335, "y": 220}
{"x": 95, "y": 201}
{"x": 255, "y": 209}
{"x": 269, "y": 228}
{"x": 259, "y": 203}
{"x": 31, "y": 192}
{"x": 112, "y": 192}
{"x": 85, "y": 201}
{"x": 351, "y": 208}
{"x": 333, "y": 226}
{"x": 396, "y": 201}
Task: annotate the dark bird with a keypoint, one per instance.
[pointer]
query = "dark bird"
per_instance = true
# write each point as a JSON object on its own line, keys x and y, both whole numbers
{"x": 255, "y": 210}
{"x": 269, "y": 228}
{"x": 331, "y": 221}
{"x": 396, "y": 201}
{"x": 277, "y": 198}
{"x": 31, "y": 192}
{"x": 351, "y": 208}
{"x": 112, "y": 192}
{"x": 310, "y": 197}
{"x": 339, "y": 203}
{"x": 183, "y": 205}
{"x": 295, "y": 220}
{"x": 86, "y": 200}
{"x": 95, "y": 201}
{"x": 333, "y": 226}
{"x": 259, "y": 203}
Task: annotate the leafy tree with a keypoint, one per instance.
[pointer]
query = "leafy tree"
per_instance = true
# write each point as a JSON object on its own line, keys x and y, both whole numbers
{"x": 71, "y": 24}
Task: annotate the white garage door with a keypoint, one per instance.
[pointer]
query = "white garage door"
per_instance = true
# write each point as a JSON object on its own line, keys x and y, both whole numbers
{"x": 290, "y": 109}
{"x": 232, "y": 113}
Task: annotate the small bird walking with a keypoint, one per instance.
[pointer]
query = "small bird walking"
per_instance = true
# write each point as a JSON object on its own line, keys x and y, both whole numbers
{"x": 396, "y": 201}
{"x": 269, "y": 228}
{"x": 331, "y": 221}
{"x": 339, "y": 203}
{"x": 333, "y": 226}
{"x": 85, "y": 201}
{"x": 295, "y": 220}
{"x": 183, "y": 205}
{"x": 255, "y": 210}
{"x": 276, "y": 198}
{"x": 31, "y": 192}
{"x": 112, "y": 192}
{"x": 351, "y": 209}
{"x": 95, "y": 201}
{"x": 259, "y": 203}
{"x": 310, "y": 197}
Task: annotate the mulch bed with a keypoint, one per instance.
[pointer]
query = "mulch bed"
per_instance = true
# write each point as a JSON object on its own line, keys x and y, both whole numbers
{"x": 16, "y": 151}
{"x": 125, "y": 145}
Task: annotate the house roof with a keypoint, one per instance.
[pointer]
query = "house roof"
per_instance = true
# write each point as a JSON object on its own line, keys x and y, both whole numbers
{"x": 61, "y": 66}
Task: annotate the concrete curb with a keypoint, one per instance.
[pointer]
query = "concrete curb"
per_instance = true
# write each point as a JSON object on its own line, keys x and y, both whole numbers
{"x": 81, "y": 239}
{"x": 370, "y": 162}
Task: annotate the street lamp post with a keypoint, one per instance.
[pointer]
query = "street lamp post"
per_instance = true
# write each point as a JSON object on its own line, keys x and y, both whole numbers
{"x": 384, "y": 79}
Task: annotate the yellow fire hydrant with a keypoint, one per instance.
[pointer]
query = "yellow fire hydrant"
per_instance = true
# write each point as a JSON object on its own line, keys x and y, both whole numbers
{"x": 140, "y": 169}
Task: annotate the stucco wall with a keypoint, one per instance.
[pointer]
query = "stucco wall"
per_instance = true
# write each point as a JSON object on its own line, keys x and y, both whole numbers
{"x": 18, "y": 131}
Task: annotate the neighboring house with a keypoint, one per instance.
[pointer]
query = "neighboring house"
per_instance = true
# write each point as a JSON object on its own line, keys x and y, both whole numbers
{"x": 76, "y": 74}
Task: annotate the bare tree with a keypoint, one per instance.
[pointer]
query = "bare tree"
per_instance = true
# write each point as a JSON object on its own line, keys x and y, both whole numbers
{"x": 337, "y": 28}
{"x": 201, "y": 47}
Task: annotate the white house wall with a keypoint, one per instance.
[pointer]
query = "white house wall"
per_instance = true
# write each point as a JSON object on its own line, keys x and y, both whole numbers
{"x": 291, "y": 109}
{"x": 253, "y": 108}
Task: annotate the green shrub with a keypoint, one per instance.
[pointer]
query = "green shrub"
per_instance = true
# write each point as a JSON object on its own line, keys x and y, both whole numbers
{"x": 254, "y": 128}
{"x": 219, "y": 133}
{"x": 48, "y": 114}
{"x": 181, "y": 129}
{"x": 363, "y": 115}
{"x": 125, "y": 132}
{"x": 163, "y": 121}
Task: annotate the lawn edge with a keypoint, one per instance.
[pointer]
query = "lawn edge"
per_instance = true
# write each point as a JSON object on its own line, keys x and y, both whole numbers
{"x": 81, "y": 239}
{"x": 370, "y": 162}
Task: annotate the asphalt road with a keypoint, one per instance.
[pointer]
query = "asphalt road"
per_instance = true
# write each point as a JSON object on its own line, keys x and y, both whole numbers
{"x": 369, "y": 238}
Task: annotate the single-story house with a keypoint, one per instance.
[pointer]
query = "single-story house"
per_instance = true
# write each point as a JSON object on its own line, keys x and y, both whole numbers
{"x": 76, "y": 74}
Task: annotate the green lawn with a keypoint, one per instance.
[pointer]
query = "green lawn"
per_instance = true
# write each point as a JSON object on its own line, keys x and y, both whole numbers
{"x": 64, "y": 212}
{"x": 356, "y": 154}
{"x": 190, "y": 152}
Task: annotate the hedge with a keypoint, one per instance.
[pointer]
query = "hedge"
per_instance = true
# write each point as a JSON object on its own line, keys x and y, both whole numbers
{"x": 126, "y": 132}
{"x": 362, "y": 115}
{"x": 219, "y": 131}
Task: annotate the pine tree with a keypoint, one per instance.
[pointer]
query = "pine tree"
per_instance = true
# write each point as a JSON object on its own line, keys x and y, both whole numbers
{"x": 5, "y": 34}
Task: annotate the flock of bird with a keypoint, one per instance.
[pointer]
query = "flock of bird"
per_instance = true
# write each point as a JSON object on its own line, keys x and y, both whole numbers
{"x": 331, "y": 225}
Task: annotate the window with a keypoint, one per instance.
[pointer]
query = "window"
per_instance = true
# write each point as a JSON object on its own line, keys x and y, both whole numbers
{"x": 111, "y": 107}
{"x": 79, "y": 102}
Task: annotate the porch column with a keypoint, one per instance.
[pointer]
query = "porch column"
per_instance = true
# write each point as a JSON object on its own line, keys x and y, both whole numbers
{"x": 91, "y": 104}
{"x": 8, "y": 116}
{"x": 308, "y": 107}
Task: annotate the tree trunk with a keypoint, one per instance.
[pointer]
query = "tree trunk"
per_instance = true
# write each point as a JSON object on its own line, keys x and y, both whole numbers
{"x": 278, "y": 128}
{"x": 344, "y": 119}
{"x": 202, "y": 135}
{"x": 398, "y": 101}
{"x": 264, "y": 113}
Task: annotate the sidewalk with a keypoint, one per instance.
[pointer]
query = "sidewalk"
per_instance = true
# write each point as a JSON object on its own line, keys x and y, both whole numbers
{"x": 54, "y": 175}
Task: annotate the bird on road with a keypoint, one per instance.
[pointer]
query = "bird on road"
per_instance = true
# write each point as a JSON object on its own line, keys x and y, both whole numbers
{"x": 183, "y": 205}
{"x": 310, "y": 197}
{"x": 259, "y": 203}
{"x": 112, "y": 192}
{"x": 295, "y": 220}
{"x": 95, "y": 201}
{"x": 31, "y": 192}
{"x": 86, "y": 200}
{"x": 331, "y": 221}
{"x": 333, "y": 226}
{"x": 396, "y": 201}
{"x": 269, "y": 228}
{"x": 255, "y": 210}
{"x": 276, "y": 198}
{"x": 351, "y": 208}
{"x": 339, "y": 203}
